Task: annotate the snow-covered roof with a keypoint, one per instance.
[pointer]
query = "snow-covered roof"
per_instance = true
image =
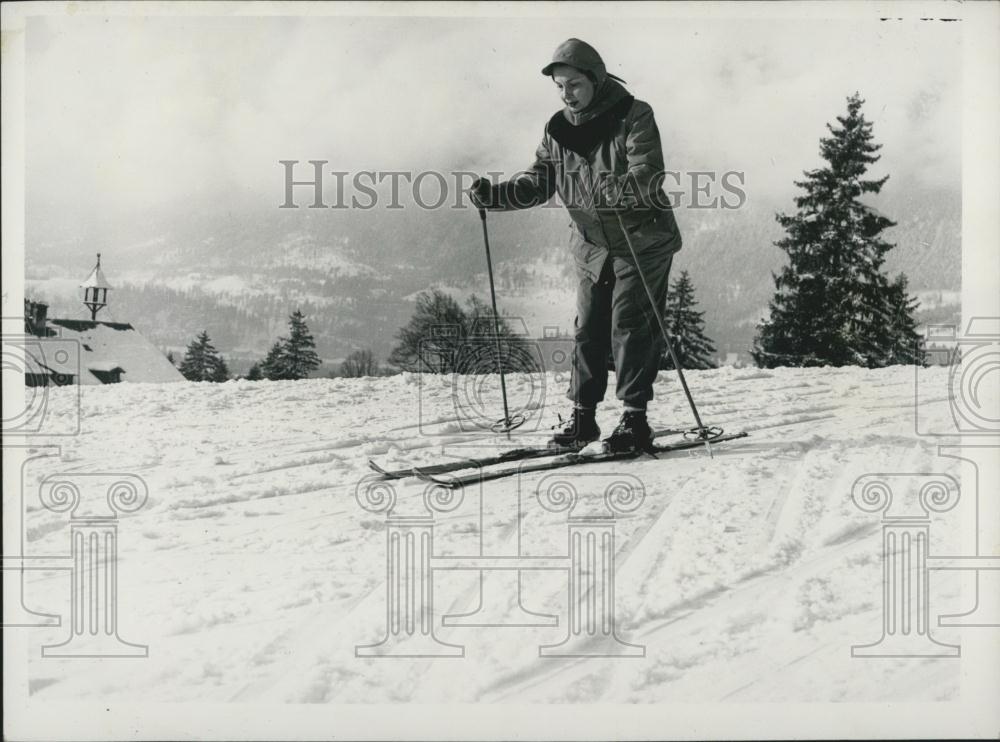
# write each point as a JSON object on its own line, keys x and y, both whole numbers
{"x": 105, "y": 366}
{"x": 106, "y": 346}
{"x": 49, "y": 357}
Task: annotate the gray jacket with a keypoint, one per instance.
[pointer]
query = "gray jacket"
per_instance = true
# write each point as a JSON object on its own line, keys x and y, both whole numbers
{"x": 609, "y": 167}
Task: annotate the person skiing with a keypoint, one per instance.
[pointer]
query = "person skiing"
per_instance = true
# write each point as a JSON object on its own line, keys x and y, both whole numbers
{"x": 601, "y": 154}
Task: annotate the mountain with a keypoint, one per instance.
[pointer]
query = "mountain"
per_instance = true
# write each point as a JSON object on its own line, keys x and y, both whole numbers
{"x": 354, "y": 273}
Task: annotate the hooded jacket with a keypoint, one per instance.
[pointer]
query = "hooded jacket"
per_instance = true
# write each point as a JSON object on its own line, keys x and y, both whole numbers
{"x": 603, "y": 162}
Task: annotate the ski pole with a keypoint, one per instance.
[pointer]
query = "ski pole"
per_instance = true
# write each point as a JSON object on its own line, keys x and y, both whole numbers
{"x": 703, "y": 432}
{"x": 507, "y": 424}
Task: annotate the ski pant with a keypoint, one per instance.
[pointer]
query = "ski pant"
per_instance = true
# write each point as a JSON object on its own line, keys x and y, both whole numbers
{"x": 614, "y": 318}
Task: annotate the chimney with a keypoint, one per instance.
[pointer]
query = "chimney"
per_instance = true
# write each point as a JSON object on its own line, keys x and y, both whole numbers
{"x": 35, "y": 315}
{"x": 41, "y": 315}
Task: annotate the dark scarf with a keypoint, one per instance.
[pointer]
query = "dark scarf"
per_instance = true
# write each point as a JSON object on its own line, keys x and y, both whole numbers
{"x": 594, "y": 125}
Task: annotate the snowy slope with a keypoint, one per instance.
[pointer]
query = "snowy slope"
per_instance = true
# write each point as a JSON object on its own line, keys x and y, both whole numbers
{"x": 252, "y": 573}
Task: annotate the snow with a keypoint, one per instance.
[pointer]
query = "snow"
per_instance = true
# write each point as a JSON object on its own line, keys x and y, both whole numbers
{"x": 103, "y": 347}
{"x": 252, "y": 573}
{"x": 104, "y": 366}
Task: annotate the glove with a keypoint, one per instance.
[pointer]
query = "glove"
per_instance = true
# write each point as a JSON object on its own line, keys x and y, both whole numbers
{"x": 481, "y": 192}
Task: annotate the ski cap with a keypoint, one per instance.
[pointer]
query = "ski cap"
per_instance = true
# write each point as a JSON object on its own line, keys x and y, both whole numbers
{"x": 581, "y": 55}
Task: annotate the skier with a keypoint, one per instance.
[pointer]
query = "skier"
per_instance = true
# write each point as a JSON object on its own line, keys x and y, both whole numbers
{"x": 601, "y": 154}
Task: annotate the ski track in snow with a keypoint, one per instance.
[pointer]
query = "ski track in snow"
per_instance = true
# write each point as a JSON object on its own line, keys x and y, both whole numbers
{"x": 252, "y": 573}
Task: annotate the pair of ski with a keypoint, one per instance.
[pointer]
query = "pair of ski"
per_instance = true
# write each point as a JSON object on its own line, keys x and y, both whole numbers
{"x": 555, "y": 458}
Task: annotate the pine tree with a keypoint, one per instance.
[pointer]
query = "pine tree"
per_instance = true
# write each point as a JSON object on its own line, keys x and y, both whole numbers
{"x": 202, "y": 361}
{"x": 220, "y": 371}
{"x": 299, "y": 357}
{"x": 255, "y": 373}
{"x": 273, "y": 365}
{"x": 903, "y": 344}
{"x": 193, "y": 366}
{"x": 832, "y": 304}
{"x": 687, "y": 328}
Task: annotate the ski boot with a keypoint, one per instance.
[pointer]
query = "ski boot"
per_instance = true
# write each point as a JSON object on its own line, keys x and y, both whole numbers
{"x": 632, "y": 434}
{"x": 578, "y": 431}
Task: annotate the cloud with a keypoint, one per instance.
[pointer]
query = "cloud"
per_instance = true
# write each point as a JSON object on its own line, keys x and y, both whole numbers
{"x": 129, "y": 116}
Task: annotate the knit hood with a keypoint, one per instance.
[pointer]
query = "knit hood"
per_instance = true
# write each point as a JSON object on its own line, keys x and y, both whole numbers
{"x": 607, "y": 88}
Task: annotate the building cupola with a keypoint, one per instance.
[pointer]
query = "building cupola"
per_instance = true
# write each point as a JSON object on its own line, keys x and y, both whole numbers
{"x": 95, "y": 290}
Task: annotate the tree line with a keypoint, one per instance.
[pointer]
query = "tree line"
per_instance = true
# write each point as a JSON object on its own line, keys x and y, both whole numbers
{"x": 292, "y": 357}
{"x": 441, "y": 337}
{"x": 289, "y": 358}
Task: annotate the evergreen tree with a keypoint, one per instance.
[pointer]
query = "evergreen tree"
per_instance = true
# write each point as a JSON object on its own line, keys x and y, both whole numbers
{"x": 833, "y": 305}
{"x": 687, "y": 328}
{"x": 273, "y": 365}
{"x": 903, "y": 344}
{"x": 202, "y": 361}
{"x": 255, "y": 373}
{"x": 220, "y": 371}
{"x": 299, "y": 357}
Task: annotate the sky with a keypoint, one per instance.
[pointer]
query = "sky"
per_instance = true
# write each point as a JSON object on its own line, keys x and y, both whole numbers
{"x": 135, "y": 116}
